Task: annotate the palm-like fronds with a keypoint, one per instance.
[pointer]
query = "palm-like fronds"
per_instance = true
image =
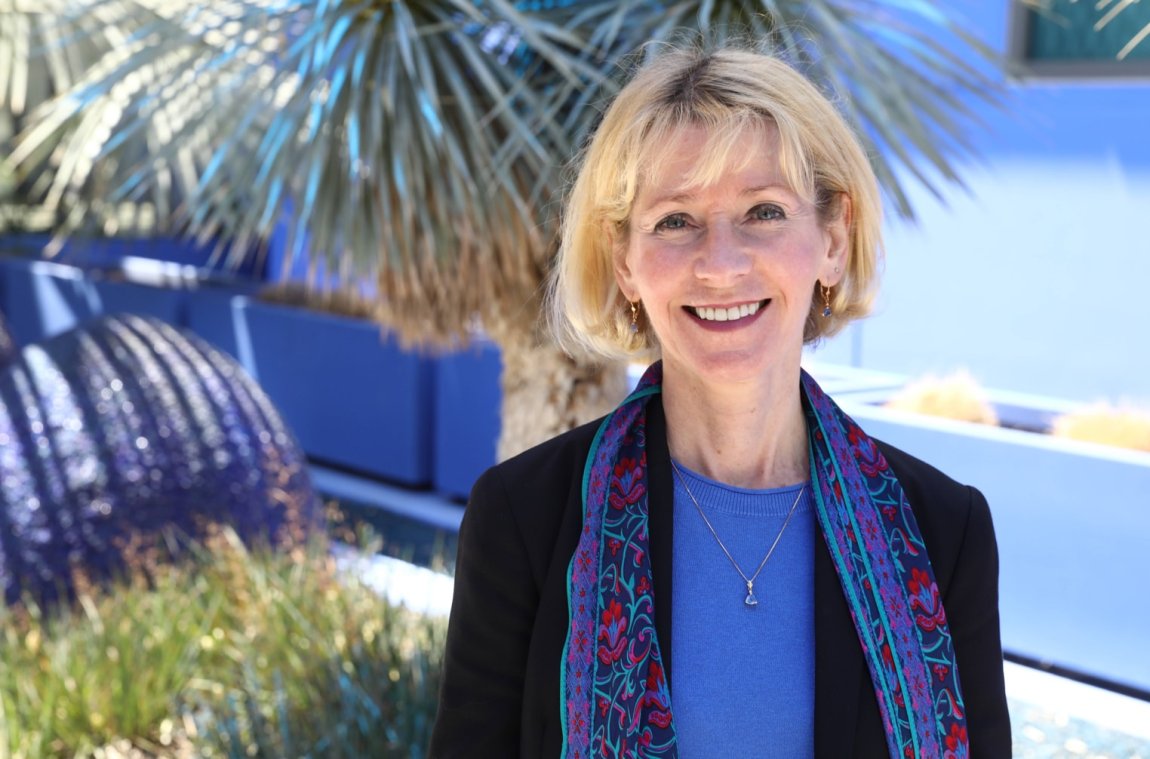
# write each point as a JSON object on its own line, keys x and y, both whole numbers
{"x": 34, "y": 68}
{"x": 420, "y": 143}
{"x": 402, "y": 138}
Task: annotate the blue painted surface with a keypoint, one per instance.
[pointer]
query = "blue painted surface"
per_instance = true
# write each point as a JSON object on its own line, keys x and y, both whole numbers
{"x": 98, "y": 253}
{"x": 351, "y": 396}
{"x": 42, "y": 299}
{"x": 164, "y": 303}
{"x": 1073, "y": 535}
{"x": 217, "y": 315}
{"x": 1030, "y": 278}
{"x": 467, "y": 409}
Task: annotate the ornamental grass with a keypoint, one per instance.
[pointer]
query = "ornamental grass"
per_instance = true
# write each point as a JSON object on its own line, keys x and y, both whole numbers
{"x": 954, "y": 396}
{"x": 1125, "y": 426}
{"x": 234, "y": 652}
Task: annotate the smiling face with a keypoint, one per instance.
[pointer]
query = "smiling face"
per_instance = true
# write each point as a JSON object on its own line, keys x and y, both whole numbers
{"x": 726, "y": 269}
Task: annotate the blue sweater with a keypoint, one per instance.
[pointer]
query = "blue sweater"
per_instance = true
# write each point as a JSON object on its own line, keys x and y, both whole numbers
{"x": 743, "y": 682}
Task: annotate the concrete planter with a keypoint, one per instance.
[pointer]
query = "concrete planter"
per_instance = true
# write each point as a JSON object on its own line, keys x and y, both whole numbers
{"x": 1073, "y": 526}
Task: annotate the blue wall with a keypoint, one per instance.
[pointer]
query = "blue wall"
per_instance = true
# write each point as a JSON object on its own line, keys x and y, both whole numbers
{"x": 1033, "y": 278}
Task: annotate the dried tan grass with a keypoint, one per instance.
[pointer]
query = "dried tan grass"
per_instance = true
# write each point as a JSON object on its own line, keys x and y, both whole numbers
{"x": 1125, "y": 426}
{"x": 954, "y": 396}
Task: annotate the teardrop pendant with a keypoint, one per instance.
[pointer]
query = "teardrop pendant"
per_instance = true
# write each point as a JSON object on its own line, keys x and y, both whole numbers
{"x": 750, "y": 600}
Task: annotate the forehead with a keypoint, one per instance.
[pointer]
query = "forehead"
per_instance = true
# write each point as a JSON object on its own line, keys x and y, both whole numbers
{"x": 695, "y": 156}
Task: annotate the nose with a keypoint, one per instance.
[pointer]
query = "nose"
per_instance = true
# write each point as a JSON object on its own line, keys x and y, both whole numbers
{"x": 721, "y": 257}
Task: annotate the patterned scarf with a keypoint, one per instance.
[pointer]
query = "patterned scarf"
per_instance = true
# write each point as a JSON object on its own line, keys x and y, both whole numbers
{"x": 615, "y": 695}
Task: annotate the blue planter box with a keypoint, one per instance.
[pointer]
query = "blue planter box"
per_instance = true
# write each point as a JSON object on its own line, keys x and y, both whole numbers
{"x": 42, "y": 299}
{"x": 219, "y": 316}
{"x": 113, "y": 297}
{"x": 110, "y": 252}
{"x": 352, "y": 397}
{"x": 467, "y": 413}
{"x": 1073, "y": 527}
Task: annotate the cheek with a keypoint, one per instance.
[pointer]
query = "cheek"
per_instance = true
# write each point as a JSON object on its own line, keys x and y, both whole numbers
{"x": 651, "y": 269}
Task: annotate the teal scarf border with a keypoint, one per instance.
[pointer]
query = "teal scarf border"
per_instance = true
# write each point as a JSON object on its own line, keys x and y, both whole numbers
{"x": 614, "y": 692}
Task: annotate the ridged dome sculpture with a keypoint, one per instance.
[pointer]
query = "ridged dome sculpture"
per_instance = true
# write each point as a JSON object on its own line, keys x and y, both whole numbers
{"x": 119, "y": 434}
{"x": 7, "y": 343}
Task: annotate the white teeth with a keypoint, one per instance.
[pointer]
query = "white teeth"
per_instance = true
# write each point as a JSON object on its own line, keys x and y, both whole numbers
{"x": 731, "y": 314}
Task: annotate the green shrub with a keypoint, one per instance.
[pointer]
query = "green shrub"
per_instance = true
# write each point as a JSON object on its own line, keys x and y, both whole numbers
{"x": 235, "y": 653}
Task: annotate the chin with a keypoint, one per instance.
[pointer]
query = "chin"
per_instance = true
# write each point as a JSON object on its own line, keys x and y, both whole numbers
{"x": 732, "y": 369}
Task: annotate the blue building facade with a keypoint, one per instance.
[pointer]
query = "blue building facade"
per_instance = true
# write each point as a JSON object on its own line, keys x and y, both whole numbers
{"x": 1032, "y": 276}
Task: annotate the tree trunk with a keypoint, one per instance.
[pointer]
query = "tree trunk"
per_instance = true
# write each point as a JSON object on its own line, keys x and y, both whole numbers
{"x": 546, "y": 392}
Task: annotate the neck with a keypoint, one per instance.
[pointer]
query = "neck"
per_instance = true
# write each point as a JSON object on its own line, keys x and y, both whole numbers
{"x": 751, "y": 436}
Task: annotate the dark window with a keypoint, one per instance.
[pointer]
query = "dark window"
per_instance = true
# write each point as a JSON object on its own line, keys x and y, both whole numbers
{"x": 1072, "y": 38}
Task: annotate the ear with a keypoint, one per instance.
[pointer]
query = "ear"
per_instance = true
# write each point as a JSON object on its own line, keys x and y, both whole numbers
{"x": 838, "y": 243}
{"x": 624, "y": 277}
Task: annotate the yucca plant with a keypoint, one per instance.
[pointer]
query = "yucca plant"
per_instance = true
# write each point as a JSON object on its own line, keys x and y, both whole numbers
{"x": 420, "y": 146}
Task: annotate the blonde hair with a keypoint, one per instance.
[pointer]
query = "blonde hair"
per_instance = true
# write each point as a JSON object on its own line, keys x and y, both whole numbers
{"x": 727, "y": 92}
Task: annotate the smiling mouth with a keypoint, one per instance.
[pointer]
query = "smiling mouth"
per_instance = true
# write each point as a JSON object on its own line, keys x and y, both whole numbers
{"x": 729, "y": 314}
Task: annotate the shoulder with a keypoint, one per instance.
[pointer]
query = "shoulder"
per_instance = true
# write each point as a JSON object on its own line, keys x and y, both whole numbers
{"x": 956, "y": 527}
{"x": 535, "y": 495}
{"x": 918, "y": 478}
{"x": 953, "y": 517}
{"x": 546, "y": 470}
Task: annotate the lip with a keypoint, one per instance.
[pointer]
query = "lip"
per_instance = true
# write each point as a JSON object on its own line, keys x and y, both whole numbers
{"x": 727, "y": 326}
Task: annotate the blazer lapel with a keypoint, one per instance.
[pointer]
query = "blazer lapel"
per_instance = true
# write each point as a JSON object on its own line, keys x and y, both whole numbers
{"x": 839, "y": 664}
{"x": 660, "y": 512}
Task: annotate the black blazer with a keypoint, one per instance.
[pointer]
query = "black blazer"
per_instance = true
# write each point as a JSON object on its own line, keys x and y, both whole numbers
{"x": 500, "y": 695}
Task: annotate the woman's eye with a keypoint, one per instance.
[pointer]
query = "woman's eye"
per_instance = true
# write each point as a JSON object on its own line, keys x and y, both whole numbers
{"x": 671, "y": 223}
{"x": 767, "y": 212}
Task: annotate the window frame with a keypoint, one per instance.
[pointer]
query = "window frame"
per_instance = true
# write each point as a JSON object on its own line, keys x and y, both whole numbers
{"x": 1024, "y": 67}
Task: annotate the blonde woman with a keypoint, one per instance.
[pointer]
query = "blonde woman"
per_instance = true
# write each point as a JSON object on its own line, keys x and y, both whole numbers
{"x": 726, "y": 565}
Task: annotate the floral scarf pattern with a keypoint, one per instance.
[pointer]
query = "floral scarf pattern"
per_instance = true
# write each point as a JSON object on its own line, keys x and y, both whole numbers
{"x": 616, "y": 698}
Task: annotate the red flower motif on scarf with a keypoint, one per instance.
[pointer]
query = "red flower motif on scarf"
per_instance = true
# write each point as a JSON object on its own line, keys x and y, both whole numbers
{"x": 924, "y": 599}
{"x": 956, "y": 743}
{"x": 612, "y": 631}
{"x": 660, "y": 714}
{"x": 627, "y": 486}
{"x": 869, "y": 457}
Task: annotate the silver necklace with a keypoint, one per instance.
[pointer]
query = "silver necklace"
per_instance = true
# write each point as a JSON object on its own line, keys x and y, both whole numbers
{"x": 750, "y": 600}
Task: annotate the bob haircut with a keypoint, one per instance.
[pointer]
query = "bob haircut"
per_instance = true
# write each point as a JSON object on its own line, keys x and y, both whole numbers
{"x": 727, "y": 92}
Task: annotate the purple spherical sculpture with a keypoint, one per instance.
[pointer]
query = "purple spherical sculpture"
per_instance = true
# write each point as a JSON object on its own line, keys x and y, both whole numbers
{"x": 128, "y": 430}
